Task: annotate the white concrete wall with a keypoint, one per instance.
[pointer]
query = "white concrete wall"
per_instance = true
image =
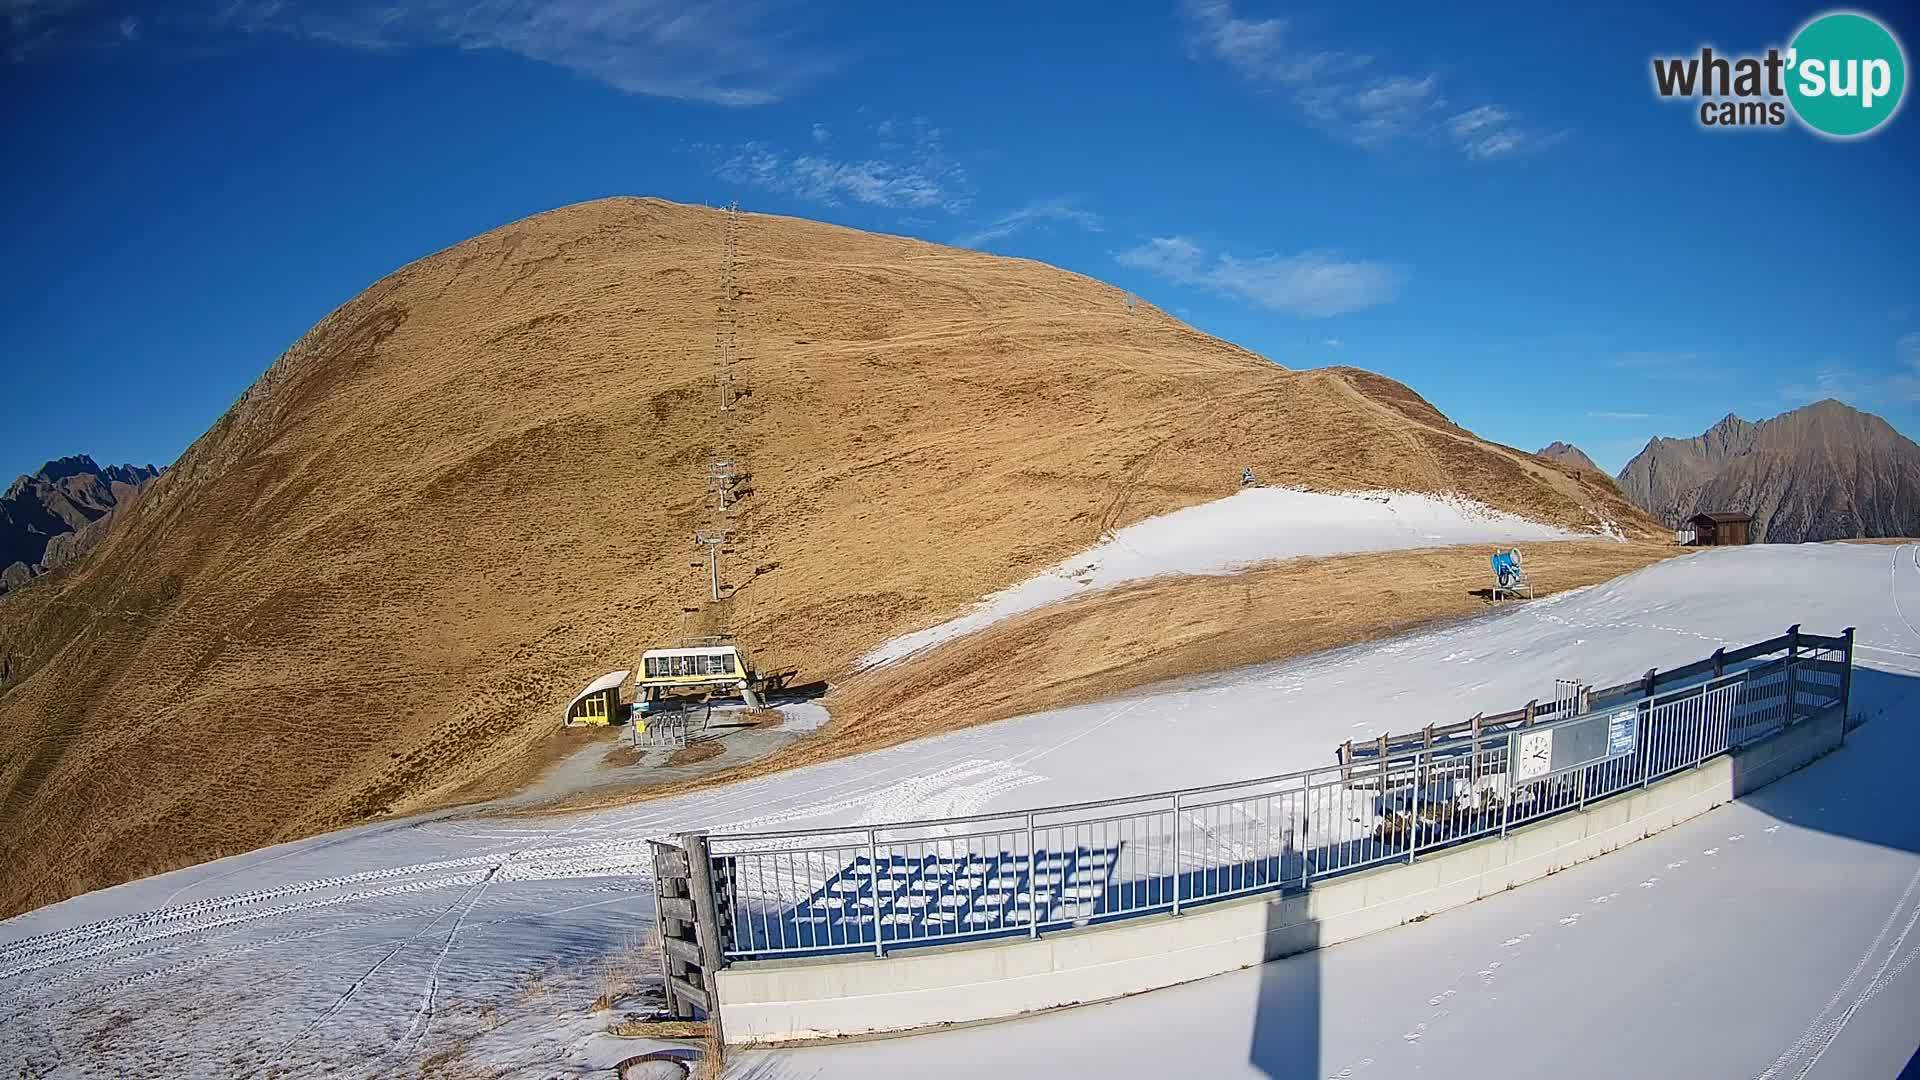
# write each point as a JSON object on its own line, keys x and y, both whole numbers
{"x": 829, "y": 997}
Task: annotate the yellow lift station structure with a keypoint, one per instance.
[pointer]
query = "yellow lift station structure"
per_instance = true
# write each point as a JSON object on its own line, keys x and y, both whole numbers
{"x": 695, "y": 669}
{"x": 599, "y": 704}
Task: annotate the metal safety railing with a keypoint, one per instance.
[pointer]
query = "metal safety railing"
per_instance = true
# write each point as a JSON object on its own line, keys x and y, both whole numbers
{"x": 1023, "y": 873}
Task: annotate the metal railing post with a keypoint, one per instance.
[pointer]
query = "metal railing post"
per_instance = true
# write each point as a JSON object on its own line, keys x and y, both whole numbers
{"x": 873, "y": 882}
{"x": 1033, "y": 880}
{"x": 1306, "y": 838}
{"x": 1506, "y": 804}
{"x": 1413, "y": 819}
{"x": 1646, "y": 736}
{"x": 1846, "y": 682}
{"x": 1702, "y": 738}
{"x": 1793, "y": 679}
{"x": 1177, "y": 863}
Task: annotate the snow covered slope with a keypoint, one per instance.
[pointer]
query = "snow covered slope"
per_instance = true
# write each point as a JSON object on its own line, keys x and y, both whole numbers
{"x": 1251, "y": 526}
{"x": 364, "y": 952}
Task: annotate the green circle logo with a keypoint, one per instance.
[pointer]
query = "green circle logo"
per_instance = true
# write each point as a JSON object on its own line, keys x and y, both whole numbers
{"x": 1846, "y": 74}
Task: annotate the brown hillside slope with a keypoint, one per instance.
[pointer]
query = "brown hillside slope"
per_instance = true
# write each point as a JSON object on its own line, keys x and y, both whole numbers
{"x": 472, "y": 487}
{"x": 1147, "y": 632}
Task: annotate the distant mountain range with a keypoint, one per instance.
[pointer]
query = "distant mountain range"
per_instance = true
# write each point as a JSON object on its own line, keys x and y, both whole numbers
{"x": 1823, "y": 472}
{"x": 55, "y": 515}
{"x": 1567, "y": 454}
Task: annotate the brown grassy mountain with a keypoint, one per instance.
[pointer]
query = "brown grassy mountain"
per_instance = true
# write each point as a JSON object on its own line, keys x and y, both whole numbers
{"x": 49, "y": 517}
{"x": 1567, "y": 454}
{"x": 1822, "y": 472}
{"x": 473, "y": 487}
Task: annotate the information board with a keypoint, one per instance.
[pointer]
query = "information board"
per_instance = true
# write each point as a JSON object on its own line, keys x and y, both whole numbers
{"x": 1573, "y": 744}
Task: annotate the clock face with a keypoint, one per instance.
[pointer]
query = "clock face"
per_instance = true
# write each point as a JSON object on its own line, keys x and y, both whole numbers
{"x": 1534, "y": 755}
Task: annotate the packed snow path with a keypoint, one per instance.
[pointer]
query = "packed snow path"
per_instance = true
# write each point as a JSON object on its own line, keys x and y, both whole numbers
{"x": 367, "y": 951}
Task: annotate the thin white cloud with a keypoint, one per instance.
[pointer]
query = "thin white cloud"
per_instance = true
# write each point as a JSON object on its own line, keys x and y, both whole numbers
{"x": 1334, "y": 343}
{"x": 745, "y": 53}
{"x": 1867, "y": 389}
{"x": 1313, "y": 285}
{"x": 1672, "y": 365}
{"x": 1039, "y": 214}
{"x": 29, "y": 28}
{"x": 909, "y": 171}
{"x": 821, "y": 134}
{"x": 919, "y": 184}
{"x": 1605, "y": 415}
{"x": 1348, "y": 94}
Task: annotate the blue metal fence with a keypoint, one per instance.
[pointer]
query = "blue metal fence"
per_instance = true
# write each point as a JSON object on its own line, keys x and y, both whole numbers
{"x": 949, "y": 880}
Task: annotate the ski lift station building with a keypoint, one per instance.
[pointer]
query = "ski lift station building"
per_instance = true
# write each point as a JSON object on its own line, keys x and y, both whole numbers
{"x": 698, "y": 667}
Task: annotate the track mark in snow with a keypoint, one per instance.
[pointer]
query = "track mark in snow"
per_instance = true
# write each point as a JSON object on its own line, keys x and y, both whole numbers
{"x": 1512, "y": 941}
{"x": 1571, "y": 920}
{"x": 1773, "y": 828}
{"x": 425, "y": 1012}
{"x": 1676, "y": 864}
{"x": 354, "y": 988}
{"x": 1710, "y": 852}
{"x": 1893, "y": 586}
{"x": 1650, "y": 883}
{"x": 1737, "y": 837}
{"x": 1820, "y": 1034}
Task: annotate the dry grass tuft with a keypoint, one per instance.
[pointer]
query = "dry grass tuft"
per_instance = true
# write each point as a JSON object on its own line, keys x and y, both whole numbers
{"x": 713, "y": 1057}
{"x": 659, "y": 1029}
{"x": 624, "y": 971}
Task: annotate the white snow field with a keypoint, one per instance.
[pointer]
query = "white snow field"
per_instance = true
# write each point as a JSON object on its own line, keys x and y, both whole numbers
{"x": 1759, "y": 940}
{"x": 1250, "y": 526}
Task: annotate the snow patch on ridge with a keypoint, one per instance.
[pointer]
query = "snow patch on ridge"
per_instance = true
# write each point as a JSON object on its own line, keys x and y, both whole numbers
{"x": 1227, "y": 535}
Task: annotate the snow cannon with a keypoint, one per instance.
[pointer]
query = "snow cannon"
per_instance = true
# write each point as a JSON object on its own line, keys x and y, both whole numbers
{"x": 1508, "y": 578}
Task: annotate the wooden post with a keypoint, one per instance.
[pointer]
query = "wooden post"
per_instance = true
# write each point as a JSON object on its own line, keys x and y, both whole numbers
{"x": 706, "y": 925}
{"x": 1381, "y": 763}
{"x": 1719, "y": 662}
{"x": 1532, "y": 707}
{"x": 1646, "y": 688}
{"x": 1476, "y": 749}
{"x": 673, "y": 921}
{"x": 1424, "y": 774}
{"x": 1346, "y": 763}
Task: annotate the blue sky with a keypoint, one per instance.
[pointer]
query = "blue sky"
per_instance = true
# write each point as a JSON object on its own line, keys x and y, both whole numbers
{"x": 1494, "y": 209}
